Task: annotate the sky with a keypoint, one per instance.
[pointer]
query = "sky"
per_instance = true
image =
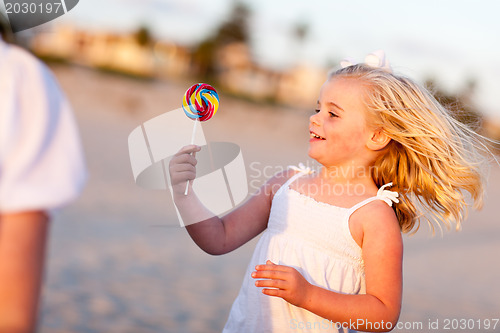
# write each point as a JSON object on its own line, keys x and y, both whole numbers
{"x": 449, "y": 40}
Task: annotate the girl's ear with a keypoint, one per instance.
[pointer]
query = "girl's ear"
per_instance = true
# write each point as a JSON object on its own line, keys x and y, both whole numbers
{"x": 379, "y": 140}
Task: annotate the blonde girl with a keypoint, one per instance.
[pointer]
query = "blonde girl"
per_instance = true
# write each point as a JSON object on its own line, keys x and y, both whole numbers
{"x": 330, "y": 256}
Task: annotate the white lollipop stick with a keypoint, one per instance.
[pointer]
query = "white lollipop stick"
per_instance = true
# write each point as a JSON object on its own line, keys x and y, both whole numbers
{"x": 192, "y": 142}
{"x": 200, "y": 103}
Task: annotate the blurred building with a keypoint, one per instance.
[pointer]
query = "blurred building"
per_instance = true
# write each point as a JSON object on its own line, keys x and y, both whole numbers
{"x": 172, "y": 61}
{"x": 300, "y": 86}
{"x": 239, "y": 75}
{"x": 119, "y": 52}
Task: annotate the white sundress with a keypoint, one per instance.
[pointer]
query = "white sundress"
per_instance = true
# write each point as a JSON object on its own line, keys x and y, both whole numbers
{"x": 314, "y": 238}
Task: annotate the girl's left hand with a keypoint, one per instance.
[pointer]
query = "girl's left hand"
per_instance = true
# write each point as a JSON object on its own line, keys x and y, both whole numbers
{"x": 286, "y": 282}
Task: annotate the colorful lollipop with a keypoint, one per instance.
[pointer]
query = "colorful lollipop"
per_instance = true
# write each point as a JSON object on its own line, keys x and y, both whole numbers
{"x": 200, "y": 103}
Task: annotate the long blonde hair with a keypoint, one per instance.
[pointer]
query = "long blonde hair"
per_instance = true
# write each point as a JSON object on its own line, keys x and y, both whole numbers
{"x": 432, "y": 158}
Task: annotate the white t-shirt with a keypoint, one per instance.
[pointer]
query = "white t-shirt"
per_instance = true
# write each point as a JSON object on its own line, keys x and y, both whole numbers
{"x": 41, "y": 160}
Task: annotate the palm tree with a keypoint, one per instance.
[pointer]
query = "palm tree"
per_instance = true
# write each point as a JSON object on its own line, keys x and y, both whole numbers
{"x": 300, "y": 33}
{"x": 234, "y": 29}
{"x": 143, "y": 36}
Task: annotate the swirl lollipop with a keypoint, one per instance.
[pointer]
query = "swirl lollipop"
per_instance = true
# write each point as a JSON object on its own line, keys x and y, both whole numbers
{"x": 200, "y": 103}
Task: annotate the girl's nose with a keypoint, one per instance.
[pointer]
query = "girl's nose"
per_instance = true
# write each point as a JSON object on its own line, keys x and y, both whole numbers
{"x": 315, "y": 119}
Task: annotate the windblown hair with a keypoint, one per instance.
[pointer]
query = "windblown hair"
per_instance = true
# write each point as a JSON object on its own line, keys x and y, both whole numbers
{"x": 432, "y": 158}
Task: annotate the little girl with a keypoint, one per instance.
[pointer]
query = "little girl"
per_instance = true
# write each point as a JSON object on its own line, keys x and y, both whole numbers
{"x": 330, "y": 257}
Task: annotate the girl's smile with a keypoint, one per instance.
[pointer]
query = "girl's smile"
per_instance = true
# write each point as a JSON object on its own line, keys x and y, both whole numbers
{"x": 315, "y": 137}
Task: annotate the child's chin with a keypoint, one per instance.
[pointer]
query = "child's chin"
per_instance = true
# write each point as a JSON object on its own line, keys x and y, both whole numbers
{"x": 315, "y": 155}
{"x": 312, "y": 154}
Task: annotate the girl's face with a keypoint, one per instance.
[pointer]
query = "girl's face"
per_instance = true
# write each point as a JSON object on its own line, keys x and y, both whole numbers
{"x": 338, "y": 129}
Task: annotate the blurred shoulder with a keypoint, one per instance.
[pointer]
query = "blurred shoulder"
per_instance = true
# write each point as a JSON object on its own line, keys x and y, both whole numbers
{"x": 22, "y": 64}
{"x": 376, "y": 216}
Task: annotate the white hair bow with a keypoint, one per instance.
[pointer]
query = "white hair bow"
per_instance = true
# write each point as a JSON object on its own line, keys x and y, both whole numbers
{"x": 375, "y": 59}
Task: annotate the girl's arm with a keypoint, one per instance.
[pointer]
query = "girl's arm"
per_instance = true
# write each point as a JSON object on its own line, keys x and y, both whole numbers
{"x": 379, "y": 308}
{"x": 212, "y": 234}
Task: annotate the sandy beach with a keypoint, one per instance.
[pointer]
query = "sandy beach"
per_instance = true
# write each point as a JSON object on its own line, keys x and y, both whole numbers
{"x": 117, "y": 263}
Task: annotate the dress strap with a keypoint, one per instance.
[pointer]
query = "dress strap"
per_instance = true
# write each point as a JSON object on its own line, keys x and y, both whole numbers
{"x": 388, "y": 196}
{"x": 302, "y": 170}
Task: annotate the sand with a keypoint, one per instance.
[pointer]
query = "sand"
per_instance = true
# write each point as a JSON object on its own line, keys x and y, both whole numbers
{"x": 118, "y": 263}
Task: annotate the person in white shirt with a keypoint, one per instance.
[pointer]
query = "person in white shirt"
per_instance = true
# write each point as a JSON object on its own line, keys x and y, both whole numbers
{"x": 42, "y": 168}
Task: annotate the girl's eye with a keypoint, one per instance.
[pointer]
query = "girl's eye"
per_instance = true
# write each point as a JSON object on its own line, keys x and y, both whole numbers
{"x": 332, "y": 115}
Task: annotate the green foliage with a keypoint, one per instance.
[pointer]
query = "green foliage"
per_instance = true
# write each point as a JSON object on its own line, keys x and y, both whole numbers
{"x": 204, "y": 59}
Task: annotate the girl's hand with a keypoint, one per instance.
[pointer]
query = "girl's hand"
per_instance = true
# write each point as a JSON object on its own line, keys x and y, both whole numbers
{"x": 182, "y": 168}
{"x": 286, "y": 282}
